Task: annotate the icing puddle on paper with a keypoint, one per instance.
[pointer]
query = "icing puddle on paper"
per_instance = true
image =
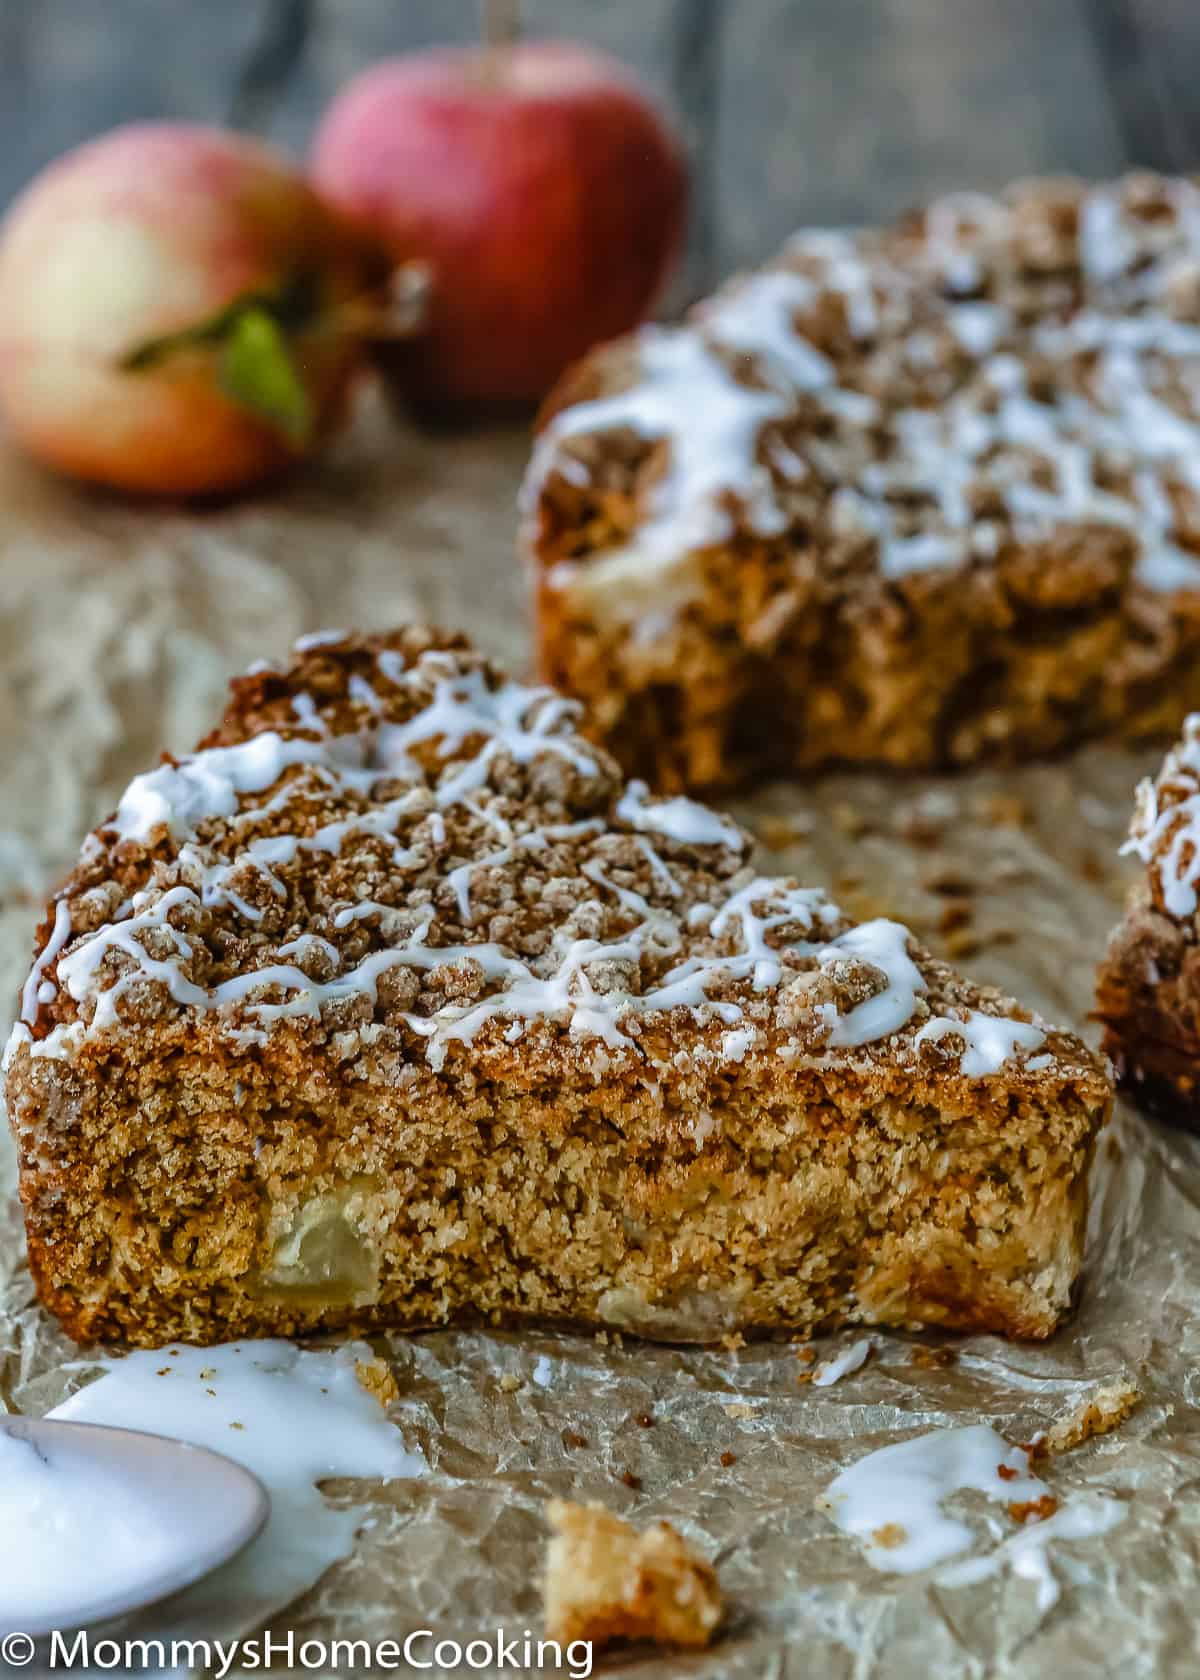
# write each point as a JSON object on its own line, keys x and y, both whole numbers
{"x": 893, "y": 1502}
{"x": 291, "y": 1416}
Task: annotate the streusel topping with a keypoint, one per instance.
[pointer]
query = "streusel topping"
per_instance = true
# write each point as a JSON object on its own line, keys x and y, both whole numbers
{"x": 915, "y": 400}
{"x": 390, "y": 833}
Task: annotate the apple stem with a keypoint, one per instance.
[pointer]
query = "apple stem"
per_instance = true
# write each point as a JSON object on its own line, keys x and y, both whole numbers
{"x": 500, "y": 22}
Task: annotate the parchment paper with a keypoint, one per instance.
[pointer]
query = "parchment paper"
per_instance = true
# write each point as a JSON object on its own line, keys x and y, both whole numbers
{"x": 119, "y": 627}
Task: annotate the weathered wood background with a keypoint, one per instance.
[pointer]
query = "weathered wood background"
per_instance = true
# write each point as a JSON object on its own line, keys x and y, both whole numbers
{"x": 796, "y": 110}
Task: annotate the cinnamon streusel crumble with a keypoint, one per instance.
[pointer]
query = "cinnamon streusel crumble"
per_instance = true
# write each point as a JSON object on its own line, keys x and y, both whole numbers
{"x": 394, "y": 1004}
{"x": 916, "y": 496}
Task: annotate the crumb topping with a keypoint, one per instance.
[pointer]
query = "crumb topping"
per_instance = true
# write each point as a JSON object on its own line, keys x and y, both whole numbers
{"x": 389, "y": 833}
{"x": 1103, "y": 1408}
{"x": 913, "y": 400}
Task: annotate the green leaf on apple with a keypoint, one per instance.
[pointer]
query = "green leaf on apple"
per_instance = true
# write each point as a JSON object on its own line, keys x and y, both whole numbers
{"x": 256, "y": 370}
{"x": 295, "y": 304}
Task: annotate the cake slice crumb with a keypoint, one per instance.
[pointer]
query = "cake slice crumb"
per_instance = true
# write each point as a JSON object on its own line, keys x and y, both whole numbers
{"x": 377, "y": 1378}
{"x": 1102, "y": 1409}
{"x": 606, "y": 1581}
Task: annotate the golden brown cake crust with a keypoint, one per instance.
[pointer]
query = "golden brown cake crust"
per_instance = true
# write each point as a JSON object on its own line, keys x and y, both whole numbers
{"x": 606, "y": 1582}
{"x": 918, "y": 497}
{"x": 393, "y": 1004}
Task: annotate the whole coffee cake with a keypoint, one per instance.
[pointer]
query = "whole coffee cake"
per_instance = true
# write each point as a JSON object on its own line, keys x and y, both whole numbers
{"x": 917, "y": 497}
{"x": 1148, "y": 989}
{"x": 394, "y": 1004}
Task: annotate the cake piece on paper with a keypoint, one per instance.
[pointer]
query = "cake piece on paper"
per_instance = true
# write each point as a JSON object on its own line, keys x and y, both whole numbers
{"x": 920, "y": 496}
{"x": 606, "y": 1582}
{"x": 394, "y": 1005}
{"x": 1148, "y": 988}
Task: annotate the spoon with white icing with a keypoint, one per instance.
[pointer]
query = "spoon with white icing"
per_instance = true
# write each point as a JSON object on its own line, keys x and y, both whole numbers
{"x": 96, "y": 1522}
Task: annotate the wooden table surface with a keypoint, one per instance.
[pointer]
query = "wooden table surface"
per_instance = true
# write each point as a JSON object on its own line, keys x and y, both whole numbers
{"x": 795, "y": 110}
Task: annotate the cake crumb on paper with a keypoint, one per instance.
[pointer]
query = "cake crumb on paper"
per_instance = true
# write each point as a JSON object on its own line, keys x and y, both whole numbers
{"x": 606, "y": 1581}
{"x": 933, "y": 1358}
{"x": 377, "y": 1378}
{"x": 1104, "y": 1408}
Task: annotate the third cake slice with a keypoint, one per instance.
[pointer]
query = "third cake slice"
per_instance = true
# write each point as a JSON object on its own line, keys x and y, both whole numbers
{"x": 1148, "y": 991}
{"x": 394, "y": 1004}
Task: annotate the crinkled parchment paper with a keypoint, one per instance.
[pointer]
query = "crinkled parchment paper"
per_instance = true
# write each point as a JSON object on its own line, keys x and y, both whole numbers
{"x": 118, "y": 629}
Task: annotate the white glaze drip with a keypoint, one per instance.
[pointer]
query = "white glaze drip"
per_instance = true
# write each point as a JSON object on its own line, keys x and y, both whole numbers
{"x": 294, "y": 1418}
{"x": 586, "y": 984}
{"x": 989, "y": 1040}
{"x": 759, "y": 319}
{"x": 892, "y": 1500}
{"x": 31, "y": 992}
{"x": 682, "y": 820}
{"x": 843, "y": 1364}
{"x": 1049, "y": 463}
{"x": 1025, "y": 1552}
{"x": 713, "y": 456}
{"x": 1155, "y": 819}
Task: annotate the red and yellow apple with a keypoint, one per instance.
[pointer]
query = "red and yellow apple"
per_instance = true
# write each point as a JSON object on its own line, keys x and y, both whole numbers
{"x": 179, "y": 312}
{"x": 538, "y": 182}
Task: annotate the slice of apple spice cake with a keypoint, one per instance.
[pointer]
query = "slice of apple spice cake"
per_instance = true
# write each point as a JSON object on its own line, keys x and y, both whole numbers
{"x": 392, "y": 1004}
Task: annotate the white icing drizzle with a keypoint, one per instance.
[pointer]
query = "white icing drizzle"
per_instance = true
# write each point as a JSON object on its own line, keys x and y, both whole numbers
{"x": 317, "y": 638}
{"x": 662, "y": 874}
{"x": 587, "y": 984}
{"x": 1110, "y": 448}
{"x": 990, "y": 1040}
{"x": 534, "y": 840}
{"x": 843, "y": 1364}
{"x": 758, "y": 317}
{"x": 736, "y": 1045}
{"x": 293, "y": 1417}
{"x": 521, "y": 721}
{"x": 35, "y": 990}
{"x": 677, "y": 819}
{"x": 892, "y": 1501}
{"x": 712, "y": 455}
{"x": 177, "y": 797}
{"x": 1025, "y": 1552}
{"x": 1177, "y": 818}
{"x": 884, "y": 945}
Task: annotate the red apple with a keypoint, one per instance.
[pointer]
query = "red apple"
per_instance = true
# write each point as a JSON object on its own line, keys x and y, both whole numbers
{"x": 179, "y": 313}
{"x": 540, "y": 184}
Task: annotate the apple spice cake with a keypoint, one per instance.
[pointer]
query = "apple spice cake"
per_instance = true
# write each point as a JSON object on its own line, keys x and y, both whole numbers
{"x": 1148, "y": 986}
{"x": 392, "y": 1004}
{"x": 918, "y": 497}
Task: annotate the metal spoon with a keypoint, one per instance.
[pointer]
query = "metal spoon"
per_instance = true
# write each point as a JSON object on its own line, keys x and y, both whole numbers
{"x": 208, "y": 1508}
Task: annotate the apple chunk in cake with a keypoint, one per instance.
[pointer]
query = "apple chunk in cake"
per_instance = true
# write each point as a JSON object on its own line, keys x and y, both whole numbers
{"x": 393, "y": 1004}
